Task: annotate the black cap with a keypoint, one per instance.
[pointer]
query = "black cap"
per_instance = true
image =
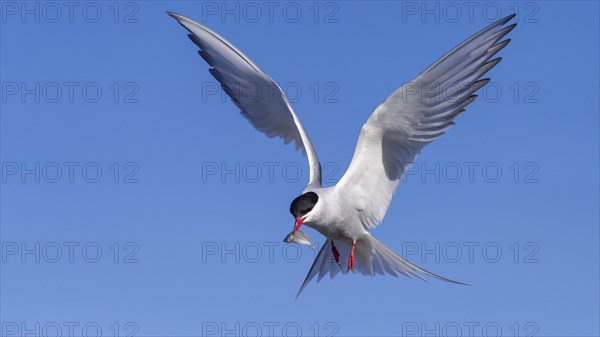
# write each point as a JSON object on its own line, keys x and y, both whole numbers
{"x": 303, "y": 204}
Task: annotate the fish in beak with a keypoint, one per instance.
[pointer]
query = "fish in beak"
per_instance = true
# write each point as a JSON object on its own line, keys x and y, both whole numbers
{"x": 299, "y": 237}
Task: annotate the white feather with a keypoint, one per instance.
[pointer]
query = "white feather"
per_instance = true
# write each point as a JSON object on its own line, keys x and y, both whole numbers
{"x": 412, "y": 117}
{"x": 260, "y": 99}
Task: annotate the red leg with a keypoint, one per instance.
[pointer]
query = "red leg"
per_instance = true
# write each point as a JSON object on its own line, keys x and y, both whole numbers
{"x": 351, "y": 260}
{"x": 335, "y": 252}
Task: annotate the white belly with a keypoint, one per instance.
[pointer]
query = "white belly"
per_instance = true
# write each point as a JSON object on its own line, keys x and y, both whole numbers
{"x": 347, "y": 231}
{"x": 337, "y": 220}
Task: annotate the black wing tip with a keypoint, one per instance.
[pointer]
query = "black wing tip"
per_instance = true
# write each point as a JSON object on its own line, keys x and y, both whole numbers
{"x": 479, "y": 84}
{"x": 508, "y": 18}
{"x": 483, "y": 80}
{"x": 500, "y": 45}
{"x": 179, "y": 18}
{"x": 492, "y": 63}
{"x": 174, "y": 15}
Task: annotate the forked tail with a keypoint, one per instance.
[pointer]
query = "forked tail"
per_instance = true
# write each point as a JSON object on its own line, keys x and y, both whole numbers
{"x": 371, "y": 257}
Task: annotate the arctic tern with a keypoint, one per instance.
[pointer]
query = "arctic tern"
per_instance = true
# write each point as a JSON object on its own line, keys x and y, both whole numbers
{"x": 398, "y": 129}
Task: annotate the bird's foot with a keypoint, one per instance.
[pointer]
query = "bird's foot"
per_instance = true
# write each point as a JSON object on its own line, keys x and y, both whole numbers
{"x": 335, "y": 252}
{"x": 351, "y": 259}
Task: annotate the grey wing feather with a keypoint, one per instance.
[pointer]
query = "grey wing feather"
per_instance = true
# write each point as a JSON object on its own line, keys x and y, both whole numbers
{"x": 413, "y": 116}
{"x": 260, "y": 100}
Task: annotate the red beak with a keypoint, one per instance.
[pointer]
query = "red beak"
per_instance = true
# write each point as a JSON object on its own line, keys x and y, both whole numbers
{"x": 298, "y": 223}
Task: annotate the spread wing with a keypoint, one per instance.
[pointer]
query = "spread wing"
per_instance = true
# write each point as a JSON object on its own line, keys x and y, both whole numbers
{"x": 413, "y": 116}
{"x": 260, "y": 99}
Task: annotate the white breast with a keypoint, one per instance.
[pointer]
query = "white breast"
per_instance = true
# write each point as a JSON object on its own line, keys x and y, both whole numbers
{"x": 335, "y": 218}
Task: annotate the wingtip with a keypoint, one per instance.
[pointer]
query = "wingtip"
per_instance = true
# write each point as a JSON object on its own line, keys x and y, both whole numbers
{"x": 504, "y": 20}
{"x": 503, "y": 43}
{"x": 484, "y": 80}
{"x": 176, "y": 16}
{"x": 510, "y": 27}
{"x": 510, "y": 17}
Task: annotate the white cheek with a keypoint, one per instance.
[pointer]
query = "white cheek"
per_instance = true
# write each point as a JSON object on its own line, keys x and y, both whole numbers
{"x": 311, "y": 216}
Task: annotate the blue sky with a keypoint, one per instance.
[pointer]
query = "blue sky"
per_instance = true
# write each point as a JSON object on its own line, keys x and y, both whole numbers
{"x": 136, "y": 200}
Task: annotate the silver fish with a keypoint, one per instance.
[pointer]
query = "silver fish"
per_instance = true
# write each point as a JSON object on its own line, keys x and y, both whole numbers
{"x": 300, "y": 238}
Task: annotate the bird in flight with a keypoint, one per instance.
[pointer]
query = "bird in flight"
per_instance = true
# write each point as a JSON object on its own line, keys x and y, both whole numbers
{"x": 398, "y": 129}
